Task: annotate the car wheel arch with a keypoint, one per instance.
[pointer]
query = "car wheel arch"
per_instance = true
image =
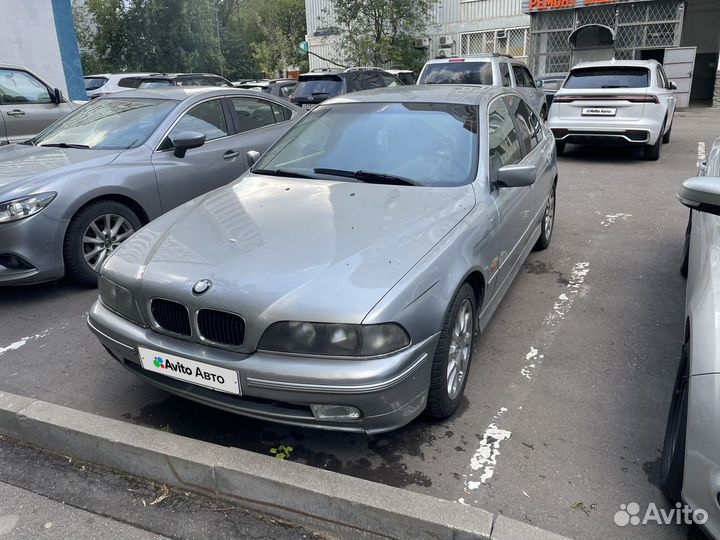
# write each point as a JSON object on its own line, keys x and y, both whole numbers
{"x": 128, "y": 201}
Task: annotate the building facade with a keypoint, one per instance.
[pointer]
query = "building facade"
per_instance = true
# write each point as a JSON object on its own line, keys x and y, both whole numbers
{"x": 683, "y": 35}
{"x": 455, "y": 27}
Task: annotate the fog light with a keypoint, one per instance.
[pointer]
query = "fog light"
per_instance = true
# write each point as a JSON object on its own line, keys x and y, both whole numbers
{"x": 335, "y": 412}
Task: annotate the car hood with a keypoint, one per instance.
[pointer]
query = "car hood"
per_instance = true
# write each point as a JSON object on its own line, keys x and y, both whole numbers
{"x": 288, "y": 249}
{"x": 23, "y": 165}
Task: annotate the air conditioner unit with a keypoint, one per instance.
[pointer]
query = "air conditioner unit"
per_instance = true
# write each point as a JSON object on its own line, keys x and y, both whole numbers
{"x": 422, "y": 43}
{"x": 501, "y": 34}
{"x": 446, "y": 41}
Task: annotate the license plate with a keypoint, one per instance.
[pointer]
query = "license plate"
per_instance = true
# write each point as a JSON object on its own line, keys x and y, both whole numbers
{"x": 184, "y": 369}
{"x": 308, "y": 106}
{"x": 599, "y": 111}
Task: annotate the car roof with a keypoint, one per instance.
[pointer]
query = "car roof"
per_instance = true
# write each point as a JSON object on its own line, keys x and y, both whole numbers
{"x": 471, "y": 57}
{"x": 422, "y": 93}
{"x": 180, "y": 93}
{"x": 131, "y": 74}
{"x": 617, "y": 63}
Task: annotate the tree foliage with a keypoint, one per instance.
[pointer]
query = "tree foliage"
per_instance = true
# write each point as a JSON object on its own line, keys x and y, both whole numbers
{"x": 235, "y": 38}
{"x": 381, "y": 32}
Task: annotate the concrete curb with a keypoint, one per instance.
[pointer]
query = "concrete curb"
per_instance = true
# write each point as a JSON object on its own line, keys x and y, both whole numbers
{"x": 326, "y": 501}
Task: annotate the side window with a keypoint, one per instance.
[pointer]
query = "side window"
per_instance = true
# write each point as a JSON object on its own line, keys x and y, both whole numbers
{"x": 281, "y": 113}
{"x": 254, "y": 113}
{"x": 526, "y": 123}
{"x": 207, "y": 117}
{"x": 662, "y": 78}
{"x": 389, "y": 80}
{"x": 286, "y": 90}
{"x": 529, "y": 81}
{"x": 129, "y": 82}
{"x": 503, "y": 143}
{"x": 505, "y": 75}
{"x": 18, "y": 87}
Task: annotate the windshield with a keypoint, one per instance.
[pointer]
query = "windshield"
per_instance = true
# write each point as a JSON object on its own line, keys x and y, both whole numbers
{"x": 94, "y": 83}
{"x": 457, "y": 73}
{"x": 429, "y": 144}
{"x": 609, "y": 77}
{"x": 325, "y": 86}
{"x": 108, "y": 124}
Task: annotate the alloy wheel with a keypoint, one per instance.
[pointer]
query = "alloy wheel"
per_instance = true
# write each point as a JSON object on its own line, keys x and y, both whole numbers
{"x": 459, "y": 353}
{"x": 549, "y": 215}
{"x": 104, "y": 234}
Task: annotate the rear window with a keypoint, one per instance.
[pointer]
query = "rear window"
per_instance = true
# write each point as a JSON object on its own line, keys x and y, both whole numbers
{"x": 326, "y": 86}
{"x": 608, "y": 77}
{"x": 94, "y": 83}
{"x": 129, "y": 82}
{"x": 156, "y": 83}
{"x": 457, "y": 73}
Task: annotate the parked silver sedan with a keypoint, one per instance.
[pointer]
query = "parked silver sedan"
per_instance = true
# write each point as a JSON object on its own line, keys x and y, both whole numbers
{"x": 690, "y": 466}
{"x": 342, "y": 281}
{"x": 71, "y": 195}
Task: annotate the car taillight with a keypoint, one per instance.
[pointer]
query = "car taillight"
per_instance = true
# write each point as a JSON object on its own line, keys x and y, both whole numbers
{"x": 570, "y": 98}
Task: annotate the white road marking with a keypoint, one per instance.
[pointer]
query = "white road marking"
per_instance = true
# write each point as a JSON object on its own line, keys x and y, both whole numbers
{"x": 486, "y": 455}
{"x": 701, "y": 154}
{"x": 612, "y": 218}
{"x": 15, "y": 345}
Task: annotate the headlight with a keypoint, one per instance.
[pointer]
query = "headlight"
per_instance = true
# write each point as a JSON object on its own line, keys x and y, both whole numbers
{"x": 334, "y": 339}
{"x": 119, "y": 300}
{"x": 24, "y": 206}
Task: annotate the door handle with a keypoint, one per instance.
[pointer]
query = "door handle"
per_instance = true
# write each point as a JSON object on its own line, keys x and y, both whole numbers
{"x": 231, "y": 154}
{"x": 16, "y": 112}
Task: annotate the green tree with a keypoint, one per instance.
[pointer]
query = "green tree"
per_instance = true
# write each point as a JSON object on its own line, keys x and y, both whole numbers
{"x": 381, "y": 32}
{"x": 281, "y": 25}
{"x": 100, "y": 28}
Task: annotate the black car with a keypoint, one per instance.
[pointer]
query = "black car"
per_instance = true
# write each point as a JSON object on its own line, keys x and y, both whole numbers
{"x": 550, "y": 84}
{"x": 183, "y": 79}
{"x": 281, "y": 88}
{"x": 315, "y": 87}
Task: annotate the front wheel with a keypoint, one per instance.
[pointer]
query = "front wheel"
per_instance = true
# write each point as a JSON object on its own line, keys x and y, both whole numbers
{"x": 548, "y": 222}
{"x": 93, "y": 234}
{"x": 453, "y": 355}
{"x": 672, "y": 463}
{"x": 560, "y": 147}
{"x": 666, "y": 137}
{"x": 686, "y": 249}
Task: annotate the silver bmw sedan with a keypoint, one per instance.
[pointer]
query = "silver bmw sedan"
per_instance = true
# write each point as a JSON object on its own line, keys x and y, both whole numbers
{"x": 341, "y": 282}
{"x": 72, "y": 194}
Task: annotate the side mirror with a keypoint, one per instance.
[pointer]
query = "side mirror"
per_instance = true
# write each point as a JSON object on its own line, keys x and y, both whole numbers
{"x": 186, "y": 140}
{"x": 511, "y": 176}
{"x": 539, "y": 83}
{"x": 701, "y": 193}
{"x": 672, "y": 85}
{"x": 252, "y": 157}
{"x": 56, "y": 96}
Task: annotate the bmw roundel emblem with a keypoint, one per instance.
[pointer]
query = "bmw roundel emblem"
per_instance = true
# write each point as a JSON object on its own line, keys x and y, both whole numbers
{"x": 202, "y": 286}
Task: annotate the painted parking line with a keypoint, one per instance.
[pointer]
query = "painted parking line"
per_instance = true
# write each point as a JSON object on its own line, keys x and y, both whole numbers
{"x": 17, "y": 344}
{"x": 701, "y": 153}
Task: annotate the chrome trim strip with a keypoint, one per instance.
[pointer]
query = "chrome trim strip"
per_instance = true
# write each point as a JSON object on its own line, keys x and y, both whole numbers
{"x": 606, "y": 135}
{"x": 104, "y": 335}
{"x": 337, "y": 389}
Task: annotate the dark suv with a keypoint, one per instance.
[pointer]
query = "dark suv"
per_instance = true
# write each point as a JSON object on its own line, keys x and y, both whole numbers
{"x": 183, "y": 79}
{"x": 315, "y": 87}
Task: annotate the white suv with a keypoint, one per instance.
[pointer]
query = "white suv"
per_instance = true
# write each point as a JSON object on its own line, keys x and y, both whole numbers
{"x": 109, "y": 83}
{"x": 614, "y": 102}
{"x": 488, "y": 69}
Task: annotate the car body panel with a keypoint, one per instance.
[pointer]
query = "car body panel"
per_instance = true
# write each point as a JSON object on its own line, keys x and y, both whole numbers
{"x": 21, "y": 121}
{"x": 327, "y": 251}
{"x": 134, "y": 176}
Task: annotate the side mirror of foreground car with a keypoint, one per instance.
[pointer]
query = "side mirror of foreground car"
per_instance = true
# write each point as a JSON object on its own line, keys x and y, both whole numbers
{"x": 701, "y": 193}
{"x": 252, "y": 157}
{"x": 511, "y": 176}
{"x": 186, "y": 140}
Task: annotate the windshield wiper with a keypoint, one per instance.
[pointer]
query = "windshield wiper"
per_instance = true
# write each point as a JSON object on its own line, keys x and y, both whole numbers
{"x": 281, "y": 172}
{"x": 369, "y": 177}
{"x": 65, "y": 145}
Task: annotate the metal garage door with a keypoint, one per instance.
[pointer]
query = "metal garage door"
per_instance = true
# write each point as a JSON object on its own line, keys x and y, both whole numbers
{"x": 679, "y": 65}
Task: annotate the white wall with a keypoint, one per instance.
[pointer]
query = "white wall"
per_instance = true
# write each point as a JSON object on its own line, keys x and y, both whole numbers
{"x": 28, "y": 38}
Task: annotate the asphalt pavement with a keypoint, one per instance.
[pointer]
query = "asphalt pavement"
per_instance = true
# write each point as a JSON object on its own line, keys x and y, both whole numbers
{"x": 568, "y": 394}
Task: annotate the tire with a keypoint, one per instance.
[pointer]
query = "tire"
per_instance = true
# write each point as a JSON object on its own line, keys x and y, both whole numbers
{"x": 560, "y": 147}
{"x": 84, "y": 248}
{"x": 444, "y": 397}
{"x": 686, "y": 249}
{"x": 651, "y": 152}
{"x": 672, "y": 462}
{"x": 548, "y": 223}
{"x": 666, "y": 137}
{"x": 543, "y": 113}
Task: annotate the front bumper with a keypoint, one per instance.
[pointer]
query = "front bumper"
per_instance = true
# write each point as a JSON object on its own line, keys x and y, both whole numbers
{"x": 37, "y": 243}
{"x": 389, "y": 391}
